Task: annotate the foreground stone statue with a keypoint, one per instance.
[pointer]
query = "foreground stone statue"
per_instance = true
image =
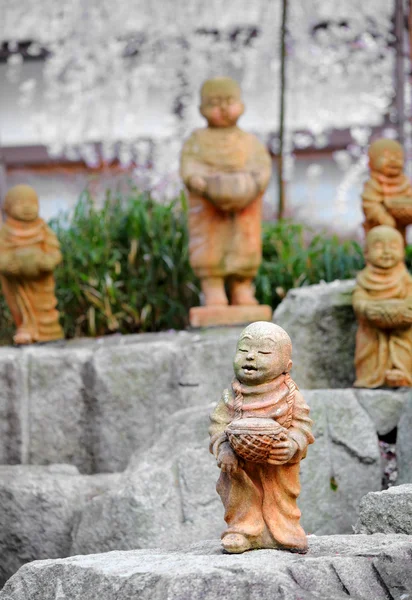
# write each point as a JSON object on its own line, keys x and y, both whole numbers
{"x": 226, "y": 172}
{"x": 387, "y": 195}
{"x": 29, "y": 252}
{"x": 259, "y": 432}
{"x": 382, "y": 301}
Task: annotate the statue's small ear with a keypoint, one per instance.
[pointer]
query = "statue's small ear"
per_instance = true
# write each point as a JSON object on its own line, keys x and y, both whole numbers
{"x": 289, "y": 366}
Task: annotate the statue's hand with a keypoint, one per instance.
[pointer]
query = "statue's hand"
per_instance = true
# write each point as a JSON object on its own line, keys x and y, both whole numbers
{"x": 282, "y": 452}
{"x": 198, "y": 184}
{"x": 373, "y": 311}
{"x": 10, "y": 265}
{"x": 46, "y": 262}
{"x": 388, "y": 220}
{"x": 227, "y": 459}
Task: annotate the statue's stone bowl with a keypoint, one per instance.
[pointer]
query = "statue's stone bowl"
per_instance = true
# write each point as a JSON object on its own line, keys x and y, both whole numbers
{"x": 253, "y": 438}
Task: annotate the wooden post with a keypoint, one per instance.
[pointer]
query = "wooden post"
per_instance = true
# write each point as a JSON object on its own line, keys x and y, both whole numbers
{"x": 400, "y": 70}
{"x": 282, "y": 198}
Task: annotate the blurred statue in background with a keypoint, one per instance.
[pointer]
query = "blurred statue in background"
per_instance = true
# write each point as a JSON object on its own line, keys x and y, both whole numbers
{"x": 29, "y": 252}
{"x": 259, "y": 433}
{"x": 226, "y": 172}
{"x": 387, "y": 195}
{"x": 382, "y": 301}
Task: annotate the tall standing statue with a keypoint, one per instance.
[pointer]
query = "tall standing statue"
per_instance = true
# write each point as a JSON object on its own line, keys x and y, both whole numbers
{"x": 226, "y": 172}
{"x": 387, "y": 195}
{"x": 29, "y": 252}
{"x": 259, "y": 433}
{"x": 382, "y": 301}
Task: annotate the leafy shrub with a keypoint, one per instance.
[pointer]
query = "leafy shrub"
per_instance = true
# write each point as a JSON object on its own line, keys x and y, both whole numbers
{"x": 292, "y": 258}
{"x": 126, "y": 266}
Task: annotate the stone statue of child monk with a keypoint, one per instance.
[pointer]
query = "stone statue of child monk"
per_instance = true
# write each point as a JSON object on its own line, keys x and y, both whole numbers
{"x": 260, "y": 497}
{"x": 387, "y": 195}
{"x": 382, "y": 301}
{"x": 29, "y": 251}
{"x": 226, "y": 171}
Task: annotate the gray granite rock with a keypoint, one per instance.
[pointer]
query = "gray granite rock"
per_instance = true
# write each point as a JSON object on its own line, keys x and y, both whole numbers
{"x": 342, "y": 465}
{"x": 404, "y": 444}
{"x": 168, "y": 493}
{"x": 321, "y": 323}
{"x": 38, "y": 509}
{"x": 389, "y": 511}
{"x": 94, "y": 402}
{"x": 13, "y": 407}
{"x": 384, "y": 406}
{"x": 374, "y": 567}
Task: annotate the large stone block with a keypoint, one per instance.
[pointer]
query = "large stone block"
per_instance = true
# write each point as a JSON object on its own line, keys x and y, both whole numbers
{"x": 342, "y": 465}
{"x": 168, "y": 492}
{"x": 321, "y": 323}
{"x": 384, "y": 407}
{"x": 62, "y": 416}
{"x": 404, "y": 444}
{"x": 38, "y": 508}
{"x": 13, "y": 407}
{"x": 374, "y": 567}
{"x": 389, "y": 511}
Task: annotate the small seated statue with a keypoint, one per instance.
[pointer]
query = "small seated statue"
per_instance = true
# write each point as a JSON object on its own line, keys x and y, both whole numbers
{"x": 29, "y": 252}
{"x": 259, "y": 433}
{"x": 226, "y": 172}
{"x": 382, "y": 301}
{"x": 387, "y": 195}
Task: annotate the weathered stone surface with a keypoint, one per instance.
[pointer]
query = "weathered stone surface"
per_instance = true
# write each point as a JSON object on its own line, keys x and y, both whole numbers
{"x": 342, "y": 465}
{"x": 168, "y": 493}
{"x": 321, "y": 323}
{"x": 38, "y": 508}
{"x": 389, "y": 511}
{"x": 375, "y": 567}
{"x": 13, "y": 407}
{"x": 404, "y": 444}
{"x": 384, "y": 406}
{"x": 94, "y": 402}
{"x": 60, "y": 428}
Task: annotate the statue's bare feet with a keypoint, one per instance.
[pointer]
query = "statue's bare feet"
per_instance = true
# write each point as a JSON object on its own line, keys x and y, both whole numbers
{"x": 242, "y": 292}
{"x": 235, "y": 543}
{"x": 214, "y": 293}
{"x": 396, "y": 378}
{"x": 22, "y": 337}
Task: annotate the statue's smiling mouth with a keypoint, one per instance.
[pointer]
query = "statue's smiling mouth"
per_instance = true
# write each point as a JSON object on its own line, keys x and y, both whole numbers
{"x": 249, "y": 368}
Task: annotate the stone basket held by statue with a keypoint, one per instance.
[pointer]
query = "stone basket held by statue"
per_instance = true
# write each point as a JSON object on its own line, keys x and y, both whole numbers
{"x": 400, "y": 209}
{"x": 395, "y": 314}
{"x": 231, "y": 191}
{"x": 254, "y": 438}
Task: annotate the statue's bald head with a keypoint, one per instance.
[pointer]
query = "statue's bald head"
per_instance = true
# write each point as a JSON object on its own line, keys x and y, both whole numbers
{"x": 383, "y": 232}
{"x": 385, "y": 247}
{"x": 386, "y": 156}
{"x": 220, "y": 86}
{"x": 22, "y": 203}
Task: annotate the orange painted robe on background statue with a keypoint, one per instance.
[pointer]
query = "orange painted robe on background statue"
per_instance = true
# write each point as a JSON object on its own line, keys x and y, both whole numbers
{"x": 30, "y": 292}
{"x": 226, "y": 242}
{"x": 381, "y": 349}
{"x": 260, "y": 498}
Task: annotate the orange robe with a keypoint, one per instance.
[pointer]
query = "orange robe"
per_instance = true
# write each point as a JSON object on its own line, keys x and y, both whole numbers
{"x": 378, "y": 190}
{"x": 379, "y": 350}
{"x": 32, "y": 301}
{"x": 259, "y": 498}
{"x": 224, "y": 243}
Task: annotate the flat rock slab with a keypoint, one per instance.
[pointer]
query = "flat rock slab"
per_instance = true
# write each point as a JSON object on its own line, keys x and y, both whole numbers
{"x": 361, "y": 567}
{"x": 389, "y": 511}
{"x": 38, "y": 509}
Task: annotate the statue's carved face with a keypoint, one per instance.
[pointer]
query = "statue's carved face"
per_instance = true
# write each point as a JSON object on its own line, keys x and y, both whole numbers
{"x": 389, "y": 162}
{"x": 260, "y": 359}
{"x": 385, "y": 251}
{"x": 222, "y": 110}
{"x": 23, "y": 208}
